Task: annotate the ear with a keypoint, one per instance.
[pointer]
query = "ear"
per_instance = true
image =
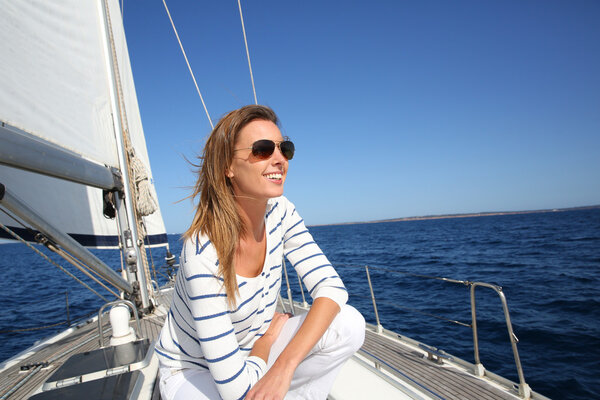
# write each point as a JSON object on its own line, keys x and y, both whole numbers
{"x": 229, "y": 173}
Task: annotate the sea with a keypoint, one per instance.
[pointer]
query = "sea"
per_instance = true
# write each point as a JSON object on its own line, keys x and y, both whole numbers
{"x": 547, "y": 265}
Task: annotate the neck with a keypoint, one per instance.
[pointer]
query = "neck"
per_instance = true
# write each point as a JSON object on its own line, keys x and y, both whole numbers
{"x": 252, "y": 212}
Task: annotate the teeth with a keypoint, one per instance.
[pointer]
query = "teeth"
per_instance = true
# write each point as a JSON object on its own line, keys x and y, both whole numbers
{"x": 273, "y": 176}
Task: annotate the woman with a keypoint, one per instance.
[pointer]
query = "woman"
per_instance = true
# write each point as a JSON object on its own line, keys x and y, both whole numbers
{"x": 222, "y": 337}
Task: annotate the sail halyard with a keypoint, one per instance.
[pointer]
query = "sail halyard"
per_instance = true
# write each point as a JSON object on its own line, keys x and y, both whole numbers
{"x": 138, "y": 201}
{"x": 131, "y": 241}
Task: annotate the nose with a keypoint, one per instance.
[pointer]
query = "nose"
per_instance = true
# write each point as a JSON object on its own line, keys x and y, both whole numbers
{"x": 278, "y": 156}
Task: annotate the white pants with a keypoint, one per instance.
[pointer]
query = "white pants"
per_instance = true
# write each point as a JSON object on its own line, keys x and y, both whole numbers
{"x": 312, "y": 379}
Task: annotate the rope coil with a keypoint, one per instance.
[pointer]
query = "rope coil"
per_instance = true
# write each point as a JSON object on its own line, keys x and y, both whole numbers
{"x": 145, "y": 202}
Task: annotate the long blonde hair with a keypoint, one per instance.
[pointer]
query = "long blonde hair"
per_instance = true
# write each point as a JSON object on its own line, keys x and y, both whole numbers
{"x": 217, "y": 215}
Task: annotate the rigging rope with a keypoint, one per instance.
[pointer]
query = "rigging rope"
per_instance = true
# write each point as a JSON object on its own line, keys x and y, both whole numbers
{"x": 130, "y": 159}
{"x": 247, "y": 51}
{"x": 188, "y": 65}
{"x": 17, "y": 237}
{"x": 81, "y": 266}
{"x": 58, "y": 251}
{"x": 28, "y": 229}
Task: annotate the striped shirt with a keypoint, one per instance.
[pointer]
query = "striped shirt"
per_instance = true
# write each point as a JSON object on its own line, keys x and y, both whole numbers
{"x": 202, "y": 331}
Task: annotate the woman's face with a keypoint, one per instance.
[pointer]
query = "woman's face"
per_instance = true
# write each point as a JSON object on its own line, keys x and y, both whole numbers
{"x": 253, "y": 177}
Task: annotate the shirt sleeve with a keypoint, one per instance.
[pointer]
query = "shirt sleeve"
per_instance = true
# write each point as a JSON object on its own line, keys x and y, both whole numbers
{"x": 311, "y": 265}
{"x": 233, "y": 373}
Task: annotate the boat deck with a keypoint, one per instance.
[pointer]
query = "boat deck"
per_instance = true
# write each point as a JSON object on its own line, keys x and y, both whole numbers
{"x": 445, "y": 381}
{"x": 16, "y": 383}
{"x": 389, "y": 354}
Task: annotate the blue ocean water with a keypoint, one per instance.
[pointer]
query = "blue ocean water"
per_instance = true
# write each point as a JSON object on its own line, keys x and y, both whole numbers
{"x": 548, "y": 265}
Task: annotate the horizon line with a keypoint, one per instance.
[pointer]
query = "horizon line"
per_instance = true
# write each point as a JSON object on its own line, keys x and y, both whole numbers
{"x": 461, "y": 215}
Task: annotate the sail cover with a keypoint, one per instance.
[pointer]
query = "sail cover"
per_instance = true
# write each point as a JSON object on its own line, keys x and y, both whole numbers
{"x": 55, "y": 84}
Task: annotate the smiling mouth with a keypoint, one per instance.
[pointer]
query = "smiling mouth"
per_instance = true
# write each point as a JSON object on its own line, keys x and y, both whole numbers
{"x": 274, "y": 176}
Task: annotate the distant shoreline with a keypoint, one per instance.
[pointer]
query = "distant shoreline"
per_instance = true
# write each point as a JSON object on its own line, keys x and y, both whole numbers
{"x": 466, "y": 215}
{"x": 426, "y": 217}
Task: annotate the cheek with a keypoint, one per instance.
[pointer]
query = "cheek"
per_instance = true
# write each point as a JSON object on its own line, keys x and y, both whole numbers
{"x": 235, "y": 169}
{"x": 244, "y": 173}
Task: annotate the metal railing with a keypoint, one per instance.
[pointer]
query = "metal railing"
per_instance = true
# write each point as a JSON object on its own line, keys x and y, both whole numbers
{"x": 479, "y": 370}
{"x": 524, "y": 389}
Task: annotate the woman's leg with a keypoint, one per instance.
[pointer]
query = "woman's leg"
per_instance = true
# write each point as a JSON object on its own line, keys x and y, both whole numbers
{"x": 197, "y": 384}
{"x": 313, "y": 378}
{"x": 316, "y": 374}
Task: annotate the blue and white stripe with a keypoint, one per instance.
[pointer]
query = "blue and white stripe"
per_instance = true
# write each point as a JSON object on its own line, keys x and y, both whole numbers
{"x": 201, "y": 331}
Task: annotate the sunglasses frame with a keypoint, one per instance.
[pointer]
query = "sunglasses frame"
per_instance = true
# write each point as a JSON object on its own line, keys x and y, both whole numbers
{"x": 276, "y": 144}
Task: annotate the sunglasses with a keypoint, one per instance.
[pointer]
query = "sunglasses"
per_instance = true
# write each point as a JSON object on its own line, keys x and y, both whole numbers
{"x": 264, "y": 148}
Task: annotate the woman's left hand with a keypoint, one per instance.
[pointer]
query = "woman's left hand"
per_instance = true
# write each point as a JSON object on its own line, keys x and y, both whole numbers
{"x": 273, "y": 385}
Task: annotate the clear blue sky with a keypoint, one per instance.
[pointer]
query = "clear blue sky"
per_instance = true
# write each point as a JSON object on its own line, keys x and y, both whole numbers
{"x": 397, "y": 108}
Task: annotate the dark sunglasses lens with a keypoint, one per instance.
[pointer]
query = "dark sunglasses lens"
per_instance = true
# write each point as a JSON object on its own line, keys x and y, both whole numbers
{"x": 287, "y": 149}
{"x": 263, "y": 148}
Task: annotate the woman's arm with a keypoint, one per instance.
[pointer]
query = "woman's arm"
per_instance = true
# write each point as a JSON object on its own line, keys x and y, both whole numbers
{"x": 312, "y": 266}
{"x": 276, "y": 382}
{"x": 323, "y": 284}
{"x": 262, "y": 346}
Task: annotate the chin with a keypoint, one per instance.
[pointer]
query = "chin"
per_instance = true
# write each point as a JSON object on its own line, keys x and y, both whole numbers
{"x": 275, "y": 193}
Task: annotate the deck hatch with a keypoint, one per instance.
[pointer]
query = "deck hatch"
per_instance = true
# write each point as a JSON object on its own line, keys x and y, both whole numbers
{"x": 117, "y": 387}
{"x": 100, "y": 363}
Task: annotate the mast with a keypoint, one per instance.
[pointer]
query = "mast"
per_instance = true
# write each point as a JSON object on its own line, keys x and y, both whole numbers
{"x": 131, "y": 243}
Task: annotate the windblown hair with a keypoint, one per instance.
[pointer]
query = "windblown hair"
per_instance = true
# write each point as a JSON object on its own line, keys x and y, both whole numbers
{"x": 217, "y": 215}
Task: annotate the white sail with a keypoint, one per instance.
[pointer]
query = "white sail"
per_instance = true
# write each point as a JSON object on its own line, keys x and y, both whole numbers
{"x": 55, "y": 85}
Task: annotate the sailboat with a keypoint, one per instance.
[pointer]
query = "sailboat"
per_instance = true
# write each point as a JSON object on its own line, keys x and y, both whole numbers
{"x": 75, "y": 173}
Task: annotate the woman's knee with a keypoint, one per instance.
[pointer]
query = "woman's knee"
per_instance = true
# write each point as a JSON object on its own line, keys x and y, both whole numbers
{"x": 353, "y": 327}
